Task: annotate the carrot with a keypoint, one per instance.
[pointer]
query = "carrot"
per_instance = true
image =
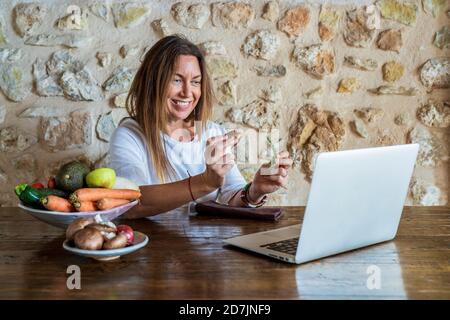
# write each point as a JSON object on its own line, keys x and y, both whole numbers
{"x": 55, "y": 203}
{"x": 95, "y": 194}
{"x": 85, "y": 206}
{"x": 109, "y": 203}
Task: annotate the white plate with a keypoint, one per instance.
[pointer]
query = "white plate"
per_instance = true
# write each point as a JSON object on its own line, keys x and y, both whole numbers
{"x": 63, "y": 219}
{"x": 140, "y": 240}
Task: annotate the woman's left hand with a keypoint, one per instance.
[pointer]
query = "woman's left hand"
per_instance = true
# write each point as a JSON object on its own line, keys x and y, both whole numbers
{"x": 268, "y": 180}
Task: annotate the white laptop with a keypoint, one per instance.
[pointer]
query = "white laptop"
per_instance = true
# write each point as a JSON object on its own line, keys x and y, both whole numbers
{"x": 356, "y": 200}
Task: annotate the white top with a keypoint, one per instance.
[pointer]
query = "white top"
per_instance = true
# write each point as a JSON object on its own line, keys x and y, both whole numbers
{"x": 130, "y": 158}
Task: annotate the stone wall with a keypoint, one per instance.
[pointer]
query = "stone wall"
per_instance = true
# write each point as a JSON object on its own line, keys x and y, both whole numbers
{"x": 329, "y": 77}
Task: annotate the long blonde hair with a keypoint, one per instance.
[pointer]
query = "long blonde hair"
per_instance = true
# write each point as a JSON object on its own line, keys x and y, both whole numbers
{"x": 146, "y": 100}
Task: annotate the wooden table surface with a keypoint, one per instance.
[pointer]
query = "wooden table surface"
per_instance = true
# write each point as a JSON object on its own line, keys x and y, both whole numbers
{"x": 185, "y": 259}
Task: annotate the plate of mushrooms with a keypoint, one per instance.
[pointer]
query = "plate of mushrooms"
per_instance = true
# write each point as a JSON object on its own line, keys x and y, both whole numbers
{"x": 102, "y": 240}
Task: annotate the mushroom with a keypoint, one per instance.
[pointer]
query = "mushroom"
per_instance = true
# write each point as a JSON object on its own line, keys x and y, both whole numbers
{"x": 89, "y": 239}
{"x": 77, "y": 225}
{"x": 102, "y": 227}
{"x": 108, "y": 232}
{"x": 117, "y": 242}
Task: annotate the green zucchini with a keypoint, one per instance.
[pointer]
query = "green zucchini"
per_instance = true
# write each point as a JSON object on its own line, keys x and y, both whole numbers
{"x": 31, "y": 196}
{"x": 54, "y": 192}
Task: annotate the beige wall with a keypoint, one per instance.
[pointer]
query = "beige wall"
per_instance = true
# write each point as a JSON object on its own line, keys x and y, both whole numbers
{"x": 38, "y": 132}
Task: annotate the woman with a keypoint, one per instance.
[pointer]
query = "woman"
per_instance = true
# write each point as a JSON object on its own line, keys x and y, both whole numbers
{"x": 170, "y": 148}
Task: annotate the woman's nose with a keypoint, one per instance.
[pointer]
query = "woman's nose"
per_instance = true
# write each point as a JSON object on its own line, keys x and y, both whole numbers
{"x": 186, "y": 90}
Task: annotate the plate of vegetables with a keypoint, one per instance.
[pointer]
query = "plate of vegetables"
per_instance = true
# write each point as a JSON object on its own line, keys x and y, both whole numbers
{"x": 63, "y": 219}
{"x": 66, "y": 199}
{"x": 102, "y": 240}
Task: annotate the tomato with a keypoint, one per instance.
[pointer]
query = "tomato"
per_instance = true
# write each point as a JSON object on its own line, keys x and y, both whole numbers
{"x": 51, "y": 183}
{"x": 128, "y": 231}
{"x": 37, "y": 185}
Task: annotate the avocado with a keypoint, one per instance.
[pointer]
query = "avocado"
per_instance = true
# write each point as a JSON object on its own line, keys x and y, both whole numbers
{"x": 71, "y": 176}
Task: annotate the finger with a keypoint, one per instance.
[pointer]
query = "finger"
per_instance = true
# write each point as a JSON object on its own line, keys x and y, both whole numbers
{"x": 212, "y": 140}
{"x": 283, "y": 154}
{"x": 267, "y": 170}
{"x": 233, "y": 136}
{"x": 220, "y": 149}
{"x": 224, "y": 142}
{"x": 228, "y": 162}
{"x": 214, "y": 148}
{"x": 277, "y": 179}
{"x": 215, "y": 156}
{"x": 234, "y": 133}
{"x": 226, "y": 159}
{"x": 269, "y": 164}
{"x": 285, "y": 164}
{"x": 284, "y": 184}
{"x": 282, "y": 172}
{"x": 232, "y": 141}
{"x": 226, "y": 146}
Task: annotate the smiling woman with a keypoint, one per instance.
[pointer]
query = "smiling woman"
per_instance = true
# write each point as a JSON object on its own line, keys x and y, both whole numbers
{"x": 159, "y": 92}
{"x": 184, "y": 90}
{"x": 170, "y": 147}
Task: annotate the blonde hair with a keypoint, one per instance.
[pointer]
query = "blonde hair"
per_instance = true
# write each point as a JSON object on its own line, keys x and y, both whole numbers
{"x": 146, "y": 101}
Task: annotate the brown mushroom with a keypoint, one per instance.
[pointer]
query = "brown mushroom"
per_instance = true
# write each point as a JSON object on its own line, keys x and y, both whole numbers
{"x": 107, "y": 231}
{"x": 77, "y": 225}
{"x": 117, "y": 242}
{"x": 102, "y": 227}
{"x": 89, "y": 239}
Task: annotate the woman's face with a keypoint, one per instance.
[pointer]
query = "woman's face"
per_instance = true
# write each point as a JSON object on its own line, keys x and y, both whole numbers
{"x": 185, "y": 88}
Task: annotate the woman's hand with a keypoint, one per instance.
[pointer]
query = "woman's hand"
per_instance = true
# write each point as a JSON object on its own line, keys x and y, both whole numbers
{"x": 269, "y": 179}
{"x": 218, "y": 160}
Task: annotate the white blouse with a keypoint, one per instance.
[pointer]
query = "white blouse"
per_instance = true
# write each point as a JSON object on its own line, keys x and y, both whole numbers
{"x": 130, "y": 158}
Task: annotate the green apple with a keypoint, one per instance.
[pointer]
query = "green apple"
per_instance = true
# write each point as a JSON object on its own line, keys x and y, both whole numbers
{"x": 101, "y": 178}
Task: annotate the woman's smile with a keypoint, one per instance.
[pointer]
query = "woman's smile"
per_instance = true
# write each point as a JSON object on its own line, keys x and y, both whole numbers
{"x": 181, "y": 105}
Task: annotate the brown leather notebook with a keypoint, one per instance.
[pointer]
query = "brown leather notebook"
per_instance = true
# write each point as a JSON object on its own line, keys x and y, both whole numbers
{"x": 214, "y": 208}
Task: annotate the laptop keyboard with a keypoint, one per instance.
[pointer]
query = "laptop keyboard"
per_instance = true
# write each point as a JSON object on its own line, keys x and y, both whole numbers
{"x": 288, "y": 246}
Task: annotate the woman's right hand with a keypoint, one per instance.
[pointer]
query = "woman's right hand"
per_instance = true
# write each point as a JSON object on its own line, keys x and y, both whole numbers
{"x": 218, "y": 159}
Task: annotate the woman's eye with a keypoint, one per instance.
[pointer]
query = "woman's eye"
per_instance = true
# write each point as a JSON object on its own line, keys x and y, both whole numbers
{"x": 196, "y": 83}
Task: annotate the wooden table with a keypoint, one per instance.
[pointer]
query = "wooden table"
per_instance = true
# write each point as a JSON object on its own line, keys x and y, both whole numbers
{"x": 185, "y": 259}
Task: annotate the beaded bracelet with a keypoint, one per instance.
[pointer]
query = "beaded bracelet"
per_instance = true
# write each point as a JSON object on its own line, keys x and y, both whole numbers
{"x": 245, "y": 198}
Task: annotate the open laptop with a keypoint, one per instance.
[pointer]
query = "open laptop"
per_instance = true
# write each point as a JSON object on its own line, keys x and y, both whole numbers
{"x": 356, "y": 200}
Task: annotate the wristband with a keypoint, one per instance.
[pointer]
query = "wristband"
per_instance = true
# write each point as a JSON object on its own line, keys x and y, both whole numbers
{"x": 247, "y": 202}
